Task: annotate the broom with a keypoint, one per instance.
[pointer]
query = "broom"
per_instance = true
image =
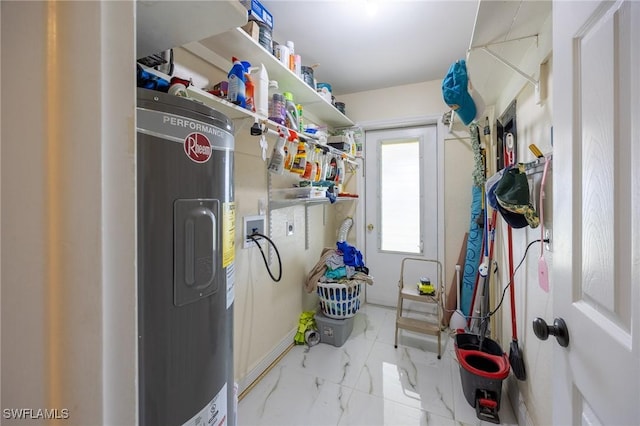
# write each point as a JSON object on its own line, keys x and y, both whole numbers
{"x": 515, "y": 354}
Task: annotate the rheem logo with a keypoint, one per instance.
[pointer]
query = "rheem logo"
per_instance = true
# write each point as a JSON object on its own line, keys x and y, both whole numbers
{"x": 197, "y": 147}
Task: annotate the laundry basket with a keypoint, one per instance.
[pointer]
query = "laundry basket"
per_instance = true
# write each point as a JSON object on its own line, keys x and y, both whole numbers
{"x": 339, "y": 300}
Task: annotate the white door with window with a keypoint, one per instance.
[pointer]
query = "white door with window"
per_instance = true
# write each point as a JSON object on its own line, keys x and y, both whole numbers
{"x": 402, "y": 205}
{"x": 596, "y": 235}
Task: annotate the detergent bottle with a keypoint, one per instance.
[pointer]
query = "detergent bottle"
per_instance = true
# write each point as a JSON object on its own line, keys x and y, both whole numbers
{"x": 236, "y": 90}
{"x": 291, "y": 112}
{"x": 260, "y": 79}
{"x": 276, "y": 103}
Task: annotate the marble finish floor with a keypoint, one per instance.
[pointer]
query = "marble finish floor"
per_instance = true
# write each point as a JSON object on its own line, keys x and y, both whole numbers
{"x": 365, "y": 382}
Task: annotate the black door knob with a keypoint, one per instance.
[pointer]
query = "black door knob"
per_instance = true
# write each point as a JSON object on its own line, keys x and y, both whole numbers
{"x": 558, "y": 329}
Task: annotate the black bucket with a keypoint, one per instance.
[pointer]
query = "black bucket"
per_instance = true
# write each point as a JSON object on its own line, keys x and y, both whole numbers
{"x": 482, "y": 370}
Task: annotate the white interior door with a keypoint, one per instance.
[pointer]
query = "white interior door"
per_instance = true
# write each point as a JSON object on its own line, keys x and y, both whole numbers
{"x": 596, "y": 218}
{"x": 401, "y": 205}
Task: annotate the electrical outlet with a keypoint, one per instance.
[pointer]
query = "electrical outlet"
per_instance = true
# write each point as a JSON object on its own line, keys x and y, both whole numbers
{"x": 290, "y": 229}
{"x": 547, "y": 236}
{"x": 251, "y": 225}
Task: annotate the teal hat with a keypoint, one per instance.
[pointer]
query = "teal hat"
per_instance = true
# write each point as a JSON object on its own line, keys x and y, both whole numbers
{"x": 512, "y": 194}
{"x": 455, "y": 93}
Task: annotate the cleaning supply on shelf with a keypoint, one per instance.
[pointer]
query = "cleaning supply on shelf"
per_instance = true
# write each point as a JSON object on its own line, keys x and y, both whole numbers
{"x": 332, "y": 169}
{"x": 249, "y": 92}
{"x": 236, "y": 90}
{"x": 318, "y": 165}
{"x": 283, "y": 53}
{"x": 307, "y": 76}
{"x": 297, "y": 65}
{"x": 276, "y": 103}
{"x": 291, "y": 112}
{"x": 276, "y": 163}
{"x": 300, "y": 159}
{"x": 292, "y": 52}
{"x": 300, "y": 123}
{"x": 290, "y": 148}
{"x": 311, "y": 166}
{"x": 325, "y": 165}
{"x": 260, "y": 79}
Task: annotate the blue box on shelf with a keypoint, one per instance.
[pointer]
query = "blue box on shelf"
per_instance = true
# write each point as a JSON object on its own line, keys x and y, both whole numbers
{"x": 258, "y": 12}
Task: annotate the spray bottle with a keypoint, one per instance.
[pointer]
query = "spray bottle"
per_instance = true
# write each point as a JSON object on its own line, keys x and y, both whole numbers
{"x": 300, "y": 160}
{"x": 290, "y": 148}
{"x": 236, "y": 90}
{"x": 309, "y": 167}
{"x": 249, "y": 92}
{"x": 276, "y": 163}
{"x": 318, "y": 165}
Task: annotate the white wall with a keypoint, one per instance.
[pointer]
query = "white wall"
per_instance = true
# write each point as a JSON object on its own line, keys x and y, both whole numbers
{"x": 68, "y": 210}
{"x": 532, "y": 397}
{"x": 413, "y": 102}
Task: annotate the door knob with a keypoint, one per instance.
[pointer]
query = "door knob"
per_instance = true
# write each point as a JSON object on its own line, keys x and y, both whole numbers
{"x": 558, "y": 329}
{"x": 370, "y": 227}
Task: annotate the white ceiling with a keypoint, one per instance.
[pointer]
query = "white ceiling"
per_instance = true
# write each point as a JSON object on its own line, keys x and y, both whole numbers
{"x": 372, "y": 44}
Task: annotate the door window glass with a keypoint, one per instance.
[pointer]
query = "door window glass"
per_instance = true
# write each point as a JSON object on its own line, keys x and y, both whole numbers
{"x": 400, "y": 195}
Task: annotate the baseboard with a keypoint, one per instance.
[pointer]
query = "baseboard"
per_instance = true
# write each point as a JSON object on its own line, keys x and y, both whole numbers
{"x": 263, "y": 366}
{"x": 518, "y": 405}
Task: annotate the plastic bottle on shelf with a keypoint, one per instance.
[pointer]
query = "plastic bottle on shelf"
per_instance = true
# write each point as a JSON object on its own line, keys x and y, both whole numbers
{"x": 236, "y": 89}
{"x": 290, "y": 148}
{"x": 323, "y": 166}
{"x": 290, "y": 63}
{"x": 276, "y": 163}
{"x": 332, "y": 168}
{"x": 300, "y": 122}
{"x": 276, "y": 103}
{"x": 260, "y": 79}
{"x": 296, "y": 65}
{"x": 249, "y": 92}
{"x": 300, "y": 159}
{"x": 342, "y": 170}
{"x": 282, "y": 53}
{"x": 291, "y": 112}
{"x": 318, "y": 168}
{"x": 308, "y": 168}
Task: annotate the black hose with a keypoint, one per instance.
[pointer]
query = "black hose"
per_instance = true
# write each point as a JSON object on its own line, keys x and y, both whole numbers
{"x": 266, "y": 264}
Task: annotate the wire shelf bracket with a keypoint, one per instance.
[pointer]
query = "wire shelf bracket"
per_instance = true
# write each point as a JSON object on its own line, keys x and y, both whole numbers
{"x": 486, "y": 48}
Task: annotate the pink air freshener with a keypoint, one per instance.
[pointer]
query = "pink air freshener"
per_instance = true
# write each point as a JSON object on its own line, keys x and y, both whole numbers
{"x": 543, "y": 274}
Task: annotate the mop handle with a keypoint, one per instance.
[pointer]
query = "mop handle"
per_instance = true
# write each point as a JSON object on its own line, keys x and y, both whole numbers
{"x": 512, "y": 290}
